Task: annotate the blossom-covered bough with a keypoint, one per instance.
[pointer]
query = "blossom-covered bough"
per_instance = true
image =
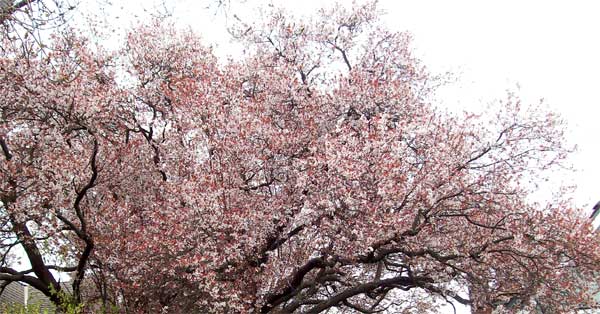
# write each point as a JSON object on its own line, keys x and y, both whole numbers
{"x": 311, "y": 174}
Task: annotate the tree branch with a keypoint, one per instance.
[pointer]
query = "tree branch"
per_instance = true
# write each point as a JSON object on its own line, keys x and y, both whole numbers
{"x": 5, "y": 149}
{"x": 404, "y": 282}
{"x": 45, "y": 281}
{"x": 296, "y": 280}
{"x": 82, "y": 193}
{"x": 89, "y": 243}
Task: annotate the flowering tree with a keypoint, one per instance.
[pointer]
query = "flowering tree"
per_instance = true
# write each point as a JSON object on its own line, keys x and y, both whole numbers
{"x": 312, "y": 174}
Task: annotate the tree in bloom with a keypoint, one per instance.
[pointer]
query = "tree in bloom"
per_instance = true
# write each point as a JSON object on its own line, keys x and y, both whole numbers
{"x": 312, "y": 174}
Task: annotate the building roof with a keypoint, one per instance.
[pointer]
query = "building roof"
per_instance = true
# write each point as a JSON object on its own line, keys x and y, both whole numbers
{"x": 19, "y": 294}
{"x": 14, "y": 293}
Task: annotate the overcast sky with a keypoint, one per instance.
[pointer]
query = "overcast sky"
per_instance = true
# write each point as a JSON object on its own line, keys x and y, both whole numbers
{"x": 550, "y": 48}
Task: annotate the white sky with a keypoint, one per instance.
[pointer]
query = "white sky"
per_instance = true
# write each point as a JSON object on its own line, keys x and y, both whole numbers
{"x": 550, "y": 48}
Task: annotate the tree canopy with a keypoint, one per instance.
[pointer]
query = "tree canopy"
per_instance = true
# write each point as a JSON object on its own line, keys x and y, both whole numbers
{"x": 313, "y": 173}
